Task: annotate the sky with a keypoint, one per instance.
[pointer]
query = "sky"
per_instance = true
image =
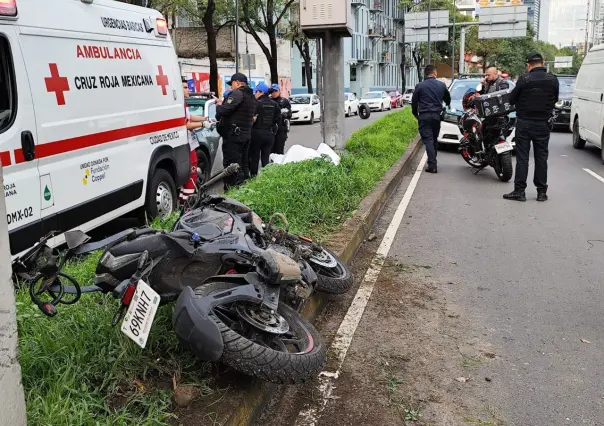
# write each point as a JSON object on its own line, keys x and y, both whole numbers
{"x": 566, "y": 22}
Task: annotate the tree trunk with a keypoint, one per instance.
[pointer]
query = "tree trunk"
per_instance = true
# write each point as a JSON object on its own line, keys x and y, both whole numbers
{"x": 208, "y": 23}
{"x": 274, "y": 59}
{"x": 417, "y": 58}
{"x": 305, "y": 55}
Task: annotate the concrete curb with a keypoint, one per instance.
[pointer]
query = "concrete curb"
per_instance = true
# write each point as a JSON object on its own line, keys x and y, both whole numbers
{"x": 345, "y": 243}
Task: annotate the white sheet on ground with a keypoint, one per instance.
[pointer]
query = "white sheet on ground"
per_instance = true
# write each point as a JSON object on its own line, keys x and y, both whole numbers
{"x": 300, "y": 153}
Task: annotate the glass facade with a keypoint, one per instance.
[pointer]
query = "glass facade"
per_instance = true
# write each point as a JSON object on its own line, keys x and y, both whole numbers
{"x": 567, "y": 21}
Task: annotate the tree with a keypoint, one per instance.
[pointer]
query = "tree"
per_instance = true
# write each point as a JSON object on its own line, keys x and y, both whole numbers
{"x": 295, "y": 34}
{"x": 264, "y": 16}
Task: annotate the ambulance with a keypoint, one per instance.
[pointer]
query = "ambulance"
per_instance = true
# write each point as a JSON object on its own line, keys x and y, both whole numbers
{"x": 92, "y": 118}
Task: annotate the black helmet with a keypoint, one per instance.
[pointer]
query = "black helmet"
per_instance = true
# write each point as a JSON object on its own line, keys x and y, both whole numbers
{"x": 468, "y": 99}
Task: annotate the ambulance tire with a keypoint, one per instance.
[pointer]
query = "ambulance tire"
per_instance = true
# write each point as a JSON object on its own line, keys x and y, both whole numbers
{"x": 161, "y": 192}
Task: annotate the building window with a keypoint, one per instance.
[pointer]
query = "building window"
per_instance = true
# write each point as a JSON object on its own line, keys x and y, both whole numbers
{"x": 304, "y": 74}
{"x": 353, "y": 73}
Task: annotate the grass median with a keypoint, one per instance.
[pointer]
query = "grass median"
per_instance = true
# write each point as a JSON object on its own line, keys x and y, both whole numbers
{"x": 79, "y": 370}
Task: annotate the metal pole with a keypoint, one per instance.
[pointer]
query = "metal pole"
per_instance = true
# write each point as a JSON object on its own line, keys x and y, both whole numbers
{"x": 462, "y": 51}
{"x": 429, "y": 31}
{"x": 11, "y": 390}
{"x": 585, "y": 47}
{"x": 236, "y": 35}
{"x": 453, "y": 47}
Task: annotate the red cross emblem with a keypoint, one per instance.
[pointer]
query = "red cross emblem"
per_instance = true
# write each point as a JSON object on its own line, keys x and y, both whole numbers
{"x": 57, "y": 84}
{"x": 162, "y": 80}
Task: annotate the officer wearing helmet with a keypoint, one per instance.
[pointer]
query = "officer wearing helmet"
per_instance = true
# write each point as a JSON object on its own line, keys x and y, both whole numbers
{"x": 286, "y": 115}
{"x": 266, "y": 121}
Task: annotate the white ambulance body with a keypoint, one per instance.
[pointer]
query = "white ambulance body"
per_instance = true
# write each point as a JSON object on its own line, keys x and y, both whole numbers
{"x": 91, "y": 115}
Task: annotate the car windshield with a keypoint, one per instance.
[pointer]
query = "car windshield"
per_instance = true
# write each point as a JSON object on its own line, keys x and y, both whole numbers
{"x": 373, "y": 95}
{"x": 196, "y": 110}
{"x": 567, "y": 85}
{"x": 393, "y": 93}
{"x": 299, "y": 100}
{"x": 408, "y": 91}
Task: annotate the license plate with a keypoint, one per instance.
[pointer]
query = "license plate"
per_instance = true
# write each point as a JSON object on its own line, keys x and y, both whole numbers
{"x": 141, "y": 312}
{"x": 500, "y": 148}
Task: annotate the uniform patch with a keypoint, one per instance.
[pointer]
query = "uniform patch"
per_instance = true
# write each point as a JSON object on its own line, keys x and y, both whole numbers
{"x": 230, "y": 101}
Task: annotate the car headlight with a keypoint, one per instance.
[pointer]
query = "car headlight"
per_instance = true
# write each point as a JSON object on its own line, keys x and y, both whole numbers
{"x": 563, "y": 104}
{"x": 451, "y": 118}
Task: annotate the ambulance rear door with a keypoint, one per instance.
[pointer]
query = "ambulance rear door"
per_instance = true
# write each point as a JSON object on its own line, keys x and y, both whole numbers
{"x": 18, "y": 139}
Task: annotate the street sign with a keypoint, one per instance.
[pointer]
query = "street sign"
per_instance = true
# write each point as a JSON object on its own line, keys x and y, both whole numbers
{"x": 416, "y": 26}
{"x": 563, "y": 62}
{"x": 503, "y": 22}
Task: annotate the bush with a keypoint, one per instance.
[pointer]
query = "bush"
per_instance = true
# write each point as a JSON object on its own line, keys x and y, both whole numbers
{"x": 78, "y": 370}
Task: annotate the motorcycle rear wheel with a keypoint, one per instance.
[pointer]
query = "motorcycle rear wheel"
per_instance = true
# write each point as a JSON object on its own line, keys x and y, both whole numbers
{"x": 263, "y": 355}
{"x": 333, "y": 275}
{"x": 504, "y": 167}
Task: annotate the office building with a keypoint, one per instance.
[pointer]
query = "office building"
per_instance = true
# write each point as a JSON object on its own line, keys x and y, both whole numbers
{"x": 534, "y": 14}
{"x": 372, "y": 56}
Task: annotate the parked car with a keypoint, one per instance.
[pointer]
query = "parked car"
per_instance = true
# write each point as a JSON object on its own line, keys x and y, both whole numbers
{"x": 305, "y": 108}
{"x": 562, "y": 107}
{"x": 208, "y": 138}
{"x": 408, "y": 95}
{"x": 351, "y": 104}
{"x": 587, "y": 107}
{"x": 449, "y": 132}
{"x": 396, "y": 99}
{"x": 377, "y": 100}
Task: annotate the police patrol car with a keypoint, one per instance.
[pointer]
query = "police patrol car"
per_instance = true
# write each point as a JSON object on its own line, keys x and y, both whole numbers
{"x": 91, "y": 115}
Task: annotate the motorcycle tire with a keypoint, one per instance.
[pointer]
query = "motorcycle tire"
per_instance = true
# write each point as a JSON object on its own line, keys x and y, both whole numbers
{"x": 332, "y": 279}
{"x": 263, "y": 362}
{"x": 364, "y": 111}
{"x": 504, "y": 169}
{"x": 465, "y": 154}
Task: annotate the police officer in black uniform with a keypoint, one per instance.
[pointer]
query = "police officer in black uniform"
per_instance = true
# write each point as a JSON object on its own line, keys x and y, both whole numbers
{"x": 236, "y": 115}
{"x": 266, "y": 120}
{"x": 427, "y": 107}
{"x": 281, "y": 136}
{"x": 535, "y": 95}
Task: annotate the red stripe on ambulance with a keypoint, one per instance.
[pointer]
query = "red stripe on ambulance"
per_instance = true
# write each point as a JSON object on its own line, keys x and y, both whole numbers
{"x": 5, "y": 158}
{"x": 80, "y": 142}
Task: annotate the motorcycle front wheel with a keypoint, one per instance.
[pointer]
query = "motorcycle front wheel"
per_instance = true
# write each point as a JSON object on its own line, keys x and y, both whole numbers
{"x": 280, "y": 347}
{"x": 333, "y": 275}
{"x": 473, "y": 161}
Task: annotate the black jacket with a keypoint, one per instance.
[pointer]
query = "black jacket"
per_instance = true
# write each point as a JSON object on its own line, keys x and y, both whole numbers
{"x": 428, "y": 97}
{"x": 283, "y": 103}
{"x": 495, "y": 86}
{"x": 268, "y": 115}
{"x": 238, "y": 110}
{"x": 535, "y": 95}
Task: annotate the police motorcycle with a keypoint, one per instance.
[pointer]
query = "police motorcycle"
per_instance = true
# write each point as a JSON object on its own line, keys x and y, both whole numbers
{"x": 485, "y": 132}
{"x": 236, "y": 302}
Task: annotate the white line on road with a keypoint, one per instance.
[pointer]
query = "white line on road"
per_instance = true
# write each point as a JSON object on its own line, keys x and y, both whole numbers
{"x": 594, "y": 174}
{"x": 343, "y": 339}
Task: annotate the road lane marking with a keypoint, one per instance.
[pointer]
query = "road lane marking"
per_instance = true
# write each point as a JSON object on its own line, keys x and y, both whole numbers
{"x": 594, "y": 174}
{"x": 343, "y": 339}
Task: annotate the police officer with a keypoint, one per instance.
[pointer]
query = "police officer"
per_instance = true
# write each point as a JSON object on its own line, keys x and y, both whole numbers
{"x": 281, "y": 136}
{"x": 535, "y": 95}
{"x": 427, "y": 107}
{"x": 266, "y": 120}
{"x": 493, "y": 82}
{"x": 236, "y": 115}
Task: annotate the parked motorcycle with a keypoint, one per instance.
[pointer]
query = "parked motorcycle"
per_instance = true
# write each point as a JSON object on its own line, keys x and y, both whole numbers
{"x": 484, "y": 140}
{"x": 238, "y": 286}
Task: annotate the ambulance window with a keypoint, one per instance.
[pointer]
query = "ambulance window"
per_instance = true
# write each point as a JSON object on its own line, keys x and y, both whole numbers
{"x": 8, "y": 90}
{"x": 212, "y": 110}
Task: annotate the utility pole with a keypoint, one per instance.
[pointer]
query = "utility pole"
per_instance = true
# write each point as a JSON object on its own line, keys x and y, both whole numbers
{"x": 320, "y": 86}
{"x": 429, "y": 30}
{"x": 586, "y": 46}
{"x": 462, "y": 50}
{"x": 236, "y": 35}
{"x": 453, "y": 46}
{"x": 333, "y": 120}
{"x": 11, "y": 390}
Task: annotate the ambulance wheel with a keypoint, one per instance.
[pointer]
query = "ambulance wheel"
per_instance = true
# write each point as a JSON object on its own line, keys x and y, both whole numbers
{"x": 161, "y": 195}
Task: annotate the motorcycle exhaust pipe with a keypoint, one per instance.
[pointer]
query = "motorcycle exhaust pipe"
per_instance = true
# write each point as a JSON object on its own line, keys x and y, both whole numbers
{"x": 228, "y": 171}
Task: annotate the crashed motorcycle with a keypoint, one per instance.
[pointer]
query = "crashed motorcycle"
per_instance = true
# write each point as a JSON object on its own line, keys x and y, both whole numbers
{"x": 236, "y": 301}
{"x": 484, "y": 140}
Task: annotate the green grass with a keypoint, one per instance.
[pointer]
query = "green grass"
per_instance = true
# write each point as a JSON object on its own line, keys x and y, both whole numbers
{"x": 317, "y": 196}
{"x": 79, "y": 370}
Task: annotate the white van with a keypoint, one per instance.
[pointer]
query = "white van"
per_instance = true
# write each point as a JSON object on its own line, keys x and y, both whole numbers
{"x": 587, "y": 111}
{"x": 91, "y": 115}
